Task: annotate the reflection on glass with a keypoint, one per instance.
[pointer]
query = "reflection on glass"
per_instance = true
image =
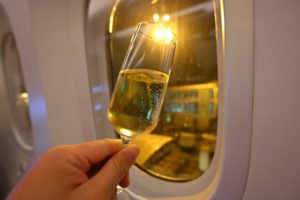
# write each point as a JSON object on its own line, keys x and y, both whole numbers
{"x": 182, "y": 145}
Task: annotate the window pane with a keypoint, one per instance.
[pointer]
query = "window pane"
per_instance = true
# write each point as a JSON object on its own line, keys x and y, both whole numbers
{"x": 183, "y": 144}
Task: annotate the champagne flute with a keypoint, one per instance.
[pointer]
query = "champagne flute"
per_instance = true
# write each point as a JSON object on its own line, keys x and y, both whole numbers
{"x": 141, "y": 85}
{"x": 142, "y": 81}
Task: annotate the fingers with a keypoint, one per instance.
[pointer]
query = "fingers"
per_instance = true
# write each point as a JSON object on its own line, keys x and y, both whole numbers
{"x": 125, "y": 181}
{"x": 114, "y": 170}
{"x": 96, "y": 151}
{"x": 114, "y": 196}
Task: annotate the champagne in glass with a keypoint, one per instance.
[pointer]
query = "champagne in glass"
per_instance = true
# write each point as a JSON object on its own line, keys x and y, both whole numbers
{"x": 142, "y": 82}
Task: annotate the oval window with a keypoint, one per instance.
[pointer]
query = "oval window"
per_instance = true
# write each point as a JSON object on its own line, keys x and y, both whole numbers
{"x": 182, "y": 146}
{"x": 18, "y": 97}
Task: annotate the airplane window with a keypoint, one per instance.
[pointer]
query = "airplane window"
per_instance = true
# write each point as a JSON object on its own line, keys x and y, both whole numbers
{"x": 16, "y": 92}
{"x": 182, "y": 146}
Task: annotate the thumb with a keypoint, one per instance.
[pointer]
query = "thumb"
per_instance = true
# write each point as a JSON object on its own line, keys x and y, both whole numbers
{"x": 114, "y": 170}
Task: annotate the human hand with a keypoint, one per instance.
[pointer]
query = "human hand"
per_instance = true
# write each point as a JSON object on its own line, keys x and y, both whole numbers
{"x": 63, "y": 172}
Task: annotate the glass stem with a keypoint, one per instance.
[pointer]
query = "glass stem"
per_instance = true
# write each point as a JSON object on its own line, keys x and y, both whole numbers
{"x": 125, "y": 140}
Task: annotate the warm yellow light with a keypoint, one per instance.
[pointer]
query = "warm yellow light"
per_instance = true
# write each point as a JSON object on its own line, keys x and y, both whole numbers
{"x": 156, "y": 17}
{"x": 111, "y": 20}
{"x": 154, "y": 1}
{"x": 166, "y": 17}
{"x": 25, "y": 97}
{"x": 163, "y": 34}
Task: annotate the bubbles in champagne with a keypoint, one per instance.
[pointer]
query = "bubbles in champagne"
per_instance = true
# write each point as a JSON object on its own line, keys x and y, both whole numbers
{"x": 137, "y": 101}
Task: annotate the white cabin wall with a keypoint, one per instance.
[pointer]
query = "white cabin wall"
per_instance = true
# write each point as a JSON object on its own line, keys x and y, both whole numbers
{"x": 275, "y": 164}
{"x": 58, "y": 31}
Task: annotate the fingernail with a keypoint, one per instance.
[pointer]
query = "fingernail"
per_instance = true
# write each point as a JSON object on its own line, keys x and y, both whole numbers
{"x": 132, "y": 152}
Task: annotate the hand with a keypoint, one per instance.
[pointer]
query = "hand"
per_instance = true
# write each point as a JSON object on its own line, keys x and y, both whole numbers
{"x": 63, "y": 172}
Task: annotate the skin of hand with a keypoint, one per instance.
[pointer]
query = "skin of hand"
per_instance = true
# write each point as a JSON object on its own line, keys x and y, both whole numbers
{"x": 63, "y": 172}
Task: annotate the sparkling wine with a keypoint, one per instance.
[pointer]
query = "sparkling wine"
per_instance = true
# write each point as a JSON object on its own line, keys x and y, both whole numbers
{"x": 137, "y": 101}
